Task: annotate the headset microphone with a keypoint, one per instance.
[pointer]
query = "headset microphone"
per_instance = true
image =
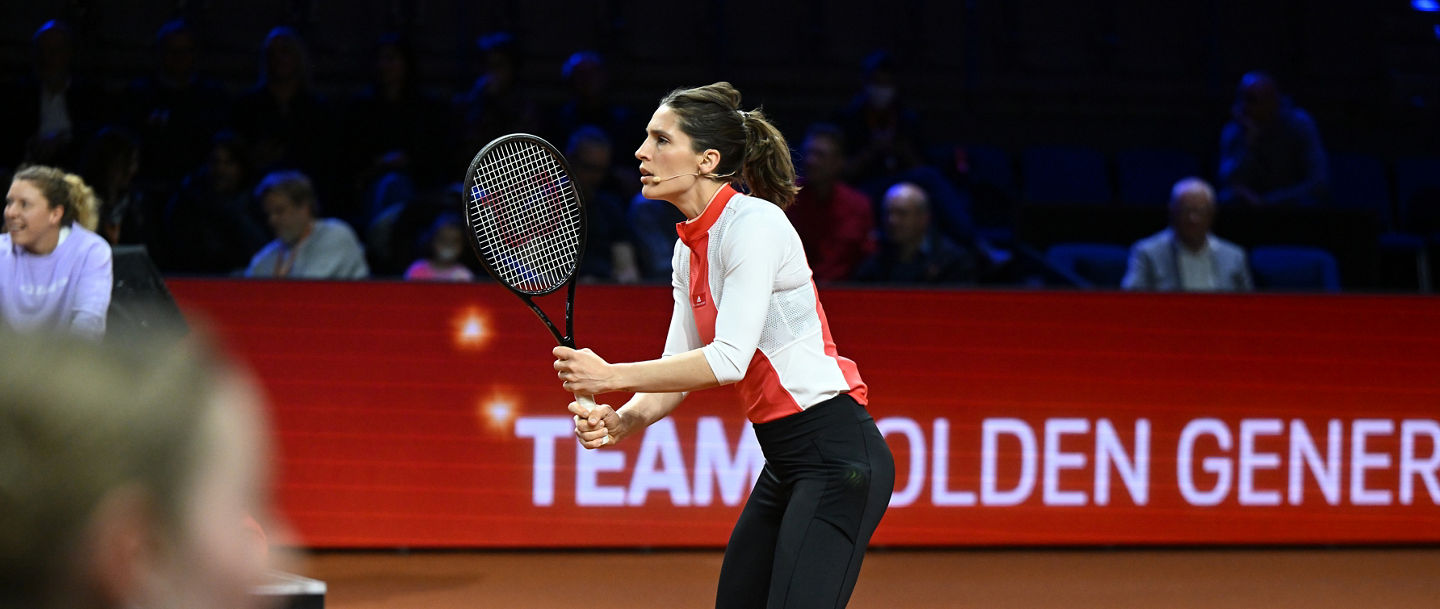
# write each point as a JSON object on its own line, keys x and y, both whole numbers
{"x": 678, "y": 175}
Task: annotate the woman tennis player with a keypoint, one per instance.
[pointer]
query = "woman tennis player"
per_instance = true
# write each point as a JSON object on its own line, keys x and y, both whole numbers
{"x": 747, "y": 312}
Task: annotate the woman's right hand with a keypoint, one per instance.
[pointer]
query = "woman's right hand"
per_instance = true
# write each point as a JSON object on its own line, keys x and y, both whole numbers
{"x": 598, "y": 426}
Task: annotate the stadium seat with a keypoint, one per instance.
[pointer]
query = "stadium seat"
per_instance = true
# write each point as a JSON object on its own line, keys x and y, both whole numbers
{"x": 1417, "y": 192}
{"x": 991, "y": 182}
{"x": 1294, "y": 268}
{"x": 991, "y": 167}
{"x": 1058, "y": 174}
{"x": 1146, "y": 175}
{"x": 1099, "y": 265}
{"x": 1358, "y": 181}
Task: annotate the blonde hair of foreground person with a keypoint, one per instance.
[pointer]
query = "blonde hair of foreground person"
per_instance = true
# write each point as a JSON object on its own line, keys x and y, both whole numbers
{"x": 126, "y": 475}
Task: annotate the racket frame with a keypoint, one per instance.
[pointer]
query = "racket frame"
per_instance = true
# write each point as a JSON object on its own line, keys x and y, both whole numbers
{"x": 567, "y": 338}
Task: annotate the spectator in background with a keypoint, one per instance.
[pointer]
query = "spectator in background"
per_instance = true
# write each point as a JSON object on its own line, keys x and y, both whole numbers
{"x": 882, "y": 134}
{"x": 128, "y": 473}
{"x": 652, "y": 223}
{"x": 210, "y": 223}
{"x": 443, "y": 244}
{"x": 55, "y": 274}
{"x": 284, "y": 120}
{"x": 110, "y": 163}
{"x": 391, "y": 239}
{"x": 1270, "y": 151}
{"x": 496, "y": 105}
{"x": 397, "y": 136}
{"x": 51, "y": 109}
{"x": 912, "y": 251}
{"x": 609, "y": 253}
{"x": 175, "y": 111}
{"x": 884, "y": 144}
{"x": 1186, "y": 256}
{"x": 835, "y": 221}
{"x": 305, "y": 246}
{"x": 589, "y": 99}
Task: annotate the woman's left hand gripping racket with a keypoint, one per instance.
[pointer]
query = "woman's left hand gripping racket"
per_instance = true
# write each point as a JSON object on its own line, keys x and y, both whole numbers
{"x": 527, "y": 224}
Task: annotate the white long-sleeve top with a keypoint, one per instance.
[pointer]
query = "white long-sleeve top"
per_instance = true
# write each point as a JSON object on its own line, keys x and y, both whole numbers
{"x": 744, "y": 296}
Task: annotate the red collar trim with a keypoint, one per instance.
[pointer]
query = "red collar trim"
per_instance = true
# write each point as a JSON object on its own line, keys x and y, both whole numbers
{"x": 691, "y": 231}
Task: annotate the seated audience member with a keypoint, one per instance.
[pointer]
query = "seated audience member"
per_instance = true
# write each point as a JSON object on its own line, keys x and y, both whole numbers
{"x": 128, "y": 473}
{"x": 881, "y": 133}
{"x": 305, "y": 246}
{"x": 589, "y": 100}
{"x": 210, "y": 223}
{"x": 399, "y": 132}
{"x": 496, "y": 104}
{"x": 175, "y": 110}
{"x": 1270, "y": 151}
{"x": 55, "y": 273}
{"x": 109, "y": 166}
{"x": 286, "y": 122}
{"x": 609, "y": 254}
{"x": 912, "y": 251}
{"x": 653, "y": 225}
{"x": 392, "y": 237}
{"x": 443, "y": 244}
{"x": 1186, "y": 257}
{"x": 50, "y": 110}
{"x": 835, "y": 221}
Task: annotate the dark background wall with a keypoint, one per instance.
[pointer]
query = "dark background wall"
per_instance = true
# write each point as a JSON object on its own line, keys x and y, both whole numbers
{"x": 1107, "y": 73}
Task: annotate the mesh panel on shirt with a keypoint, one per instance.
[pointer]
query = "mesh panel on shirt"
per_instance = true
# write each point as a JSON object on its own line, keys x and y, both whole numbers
{"x": 717, "y": 257}
{"x": 790, "y": 316}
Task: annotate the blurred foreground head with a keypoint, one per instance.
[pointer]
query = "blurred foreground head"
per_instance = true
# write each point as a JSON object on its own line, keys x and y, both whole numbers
{"x": 126, "y": 475}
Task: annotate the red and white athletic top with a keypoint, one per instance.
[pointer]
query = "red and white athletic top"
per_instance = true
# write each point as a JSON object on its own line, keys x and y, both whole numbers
{"x": 744, "y": 297}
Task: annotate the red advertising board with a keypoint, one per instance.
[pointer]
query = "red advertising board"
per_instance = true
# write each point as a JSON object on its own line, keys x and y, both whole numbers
{"x": 428, "y": 415}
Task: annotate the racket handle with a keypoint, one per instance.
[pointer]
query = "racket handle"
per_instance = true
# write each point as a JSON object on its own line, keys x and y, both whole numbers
{"x": 588, "y": 403}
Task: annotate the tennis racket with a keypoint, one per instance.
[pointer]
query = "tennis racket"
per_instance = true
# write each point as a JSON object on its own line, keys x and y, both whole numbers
{"x": 527, "y": 224}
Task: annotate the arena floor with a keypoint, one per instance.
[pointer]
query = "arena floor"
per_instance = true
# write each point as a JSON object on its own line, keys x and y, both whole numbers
{"x": 993, "y": 579}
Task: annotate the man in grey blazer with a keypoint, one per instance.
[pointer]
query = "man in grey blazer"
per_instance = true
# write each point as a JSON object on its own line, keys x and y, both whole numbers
{"x": 1185, "y": 256}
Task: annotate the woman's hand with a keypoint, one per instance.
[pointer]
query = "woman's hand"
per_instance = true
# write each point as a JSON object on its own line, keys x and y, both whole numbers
{"x": 598, "y": 426}
{"x": 583, "y": 372}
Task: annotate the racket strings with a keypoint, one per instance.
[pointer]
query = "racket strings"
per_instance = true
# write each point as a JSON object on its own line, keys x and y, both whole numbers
{"x": 526, "y": 215}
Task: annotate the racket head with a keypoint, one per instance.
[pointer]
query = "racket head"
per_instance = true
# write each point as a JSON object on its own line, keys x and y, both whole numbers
{"x": 525, "y": 215}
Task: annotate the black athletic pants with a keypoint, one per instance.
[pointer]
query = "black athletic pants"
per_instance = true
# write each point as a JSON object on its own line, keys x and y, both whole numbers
{"x": 827, "y": 480}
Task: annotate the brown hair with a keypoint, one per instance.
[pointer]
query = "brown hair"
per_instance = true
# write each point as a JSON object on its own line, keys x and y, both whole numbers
{"x": 749, "y": 146}
{"x": 65, "y": 190}
{"x": 292, "y": 184}
{"x": 135, "y": 421}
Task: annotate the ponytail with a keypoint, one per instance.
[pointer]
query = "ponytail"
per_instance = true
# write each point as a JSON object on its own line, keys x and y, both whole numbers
{"x": 753, "y": 153}
{"x": 65, "y": 190}
{"x": 767, "y": 169}
{"x": 83, "y": 202}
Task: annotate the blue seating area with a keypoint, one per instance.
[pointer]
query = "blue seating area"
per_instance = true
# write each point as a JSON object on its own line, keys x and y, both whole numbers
{"x": 1294, "y": 268}
{"x": 1144, "y": 176}
{"x": 1089, "y": 265}
{"x": 1065, "y": 174}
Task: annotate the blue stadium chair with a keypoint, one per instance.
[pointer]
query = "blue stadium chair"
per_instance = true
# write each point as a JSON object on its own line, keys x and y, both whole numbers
{"x": 992, "y": 167}
{"x": 1417, "y": 191}
{"x": 991, "y": 182}
{"x": 1065, "y": 175}
{"x": 1357, "y": 181}
{"x": 1285, "y": 267}
{"x": 1090, "y": 264}
{"x": 1146, "y": 175}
